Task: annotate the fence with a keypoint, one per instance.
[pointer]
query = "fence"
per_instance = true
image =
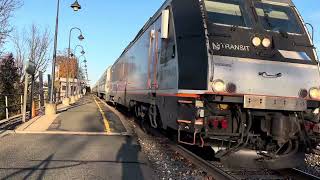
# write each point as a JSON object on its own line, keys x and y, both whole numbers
{"x": 12, "y": 112}
{"x": 11, "y": 109}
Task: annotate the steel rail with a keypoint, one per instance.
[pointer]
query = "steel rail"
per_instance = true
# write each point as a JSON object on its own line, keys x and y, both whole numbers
{"x": 305, "y": 174}
{"x": 219, "y": 173}
{"x": 211, "y": 169}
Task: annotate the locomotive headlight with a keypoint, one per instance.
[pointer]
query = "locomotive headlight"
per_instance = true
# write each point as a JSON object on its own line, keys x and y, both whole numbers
{"x": 314, "y": 93}
{"x": 219, "y": 86}
{"x": 256, "y": 41}
{"x": 266, "y": 42}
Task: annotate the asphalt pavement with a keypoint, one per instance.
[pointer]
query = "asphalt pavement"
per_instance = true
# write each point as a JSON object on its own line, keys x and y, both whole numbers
{"x": 71, "y": 156}
{"x": 85, "y": 116}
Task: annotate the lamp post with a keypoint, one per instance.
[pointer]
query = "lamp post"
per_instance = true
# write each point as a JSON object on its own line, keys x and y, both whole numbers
{"x": 84, "y": 72}
{"x": 85, "y": 68}
{"x": 52, "y": 106}
{"x": 82, "y": 53}
{"x": 80, "y": 37}
{"x": 75, "y": 49}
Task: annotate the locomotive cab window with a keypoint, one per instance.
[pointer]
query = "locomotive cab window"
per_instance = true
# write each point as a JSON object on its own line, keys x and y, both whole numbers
{"x": 278, "y": 17}
{"x": 227, "y": 12}
{"x": 168, "y": 50}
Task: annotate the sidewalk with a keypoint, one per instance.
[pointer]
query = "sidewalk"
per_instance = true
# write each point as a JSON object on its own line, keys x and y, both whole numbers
{"x": 86, "y": 117}
{"x": 41, "y": 123}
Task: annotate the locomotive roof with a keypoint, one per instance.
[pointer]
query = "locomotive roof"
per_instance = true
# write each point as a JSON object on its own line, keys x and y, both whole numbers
{"x": 151, "y": 19}
{"x": 146, "y": 25}
{"x": 281, "y": 1}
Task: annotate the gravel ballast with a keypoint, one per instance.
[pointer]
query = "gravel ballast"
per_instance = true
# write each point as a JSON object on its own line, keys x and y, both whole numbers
{"x": 167, "y": 163}
{"x": 312, "y": 165}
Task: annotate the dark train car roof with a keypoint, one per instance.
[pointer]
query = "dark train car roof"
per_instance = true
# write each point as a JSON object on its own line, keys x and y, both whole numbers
{"x": 281, "y": 1}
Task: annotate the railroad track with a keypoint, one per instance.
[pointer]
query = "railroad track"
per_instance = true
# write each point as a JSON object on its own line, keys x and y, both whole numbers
{"x": 304, "y": 174}
{"x": 210, "y": 168}
{"x": 219, "y": 172}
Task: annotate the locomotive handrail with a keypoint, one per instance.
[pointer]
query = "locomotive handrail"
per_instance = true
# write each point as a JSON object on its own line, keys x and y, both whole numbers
{"x": 266, "y": 75}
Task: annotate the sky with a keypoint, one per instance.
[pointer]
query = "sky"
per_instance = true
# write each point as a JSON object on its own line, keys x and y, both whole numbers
{"x": 109, "y": 26}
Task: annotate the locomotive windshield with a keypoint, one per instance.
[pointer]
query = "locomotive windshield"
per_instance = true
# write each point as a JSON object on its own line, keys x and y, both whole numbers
{"x": 277, "y": 17}
{"x": 228, "y": 12}
{"x": 273, "y": 16}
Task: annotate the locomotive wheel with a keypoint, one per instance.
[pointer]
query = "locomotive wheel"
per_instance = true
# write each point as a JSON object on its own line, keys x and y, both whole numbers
{"x": 154, "y": 117}
{"x": 140, "y": 117}
{"x": 153, "y": 114}
{"x": 139, "y": 112}
{"x": 131, "y": 108}
{"x": 136, "y": 110}
{"x": 119, "y": 101}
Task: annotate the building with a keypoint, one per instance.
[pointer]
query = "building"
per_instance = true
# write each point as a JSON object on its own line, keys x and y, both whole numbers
{"x": 66, "y": 72}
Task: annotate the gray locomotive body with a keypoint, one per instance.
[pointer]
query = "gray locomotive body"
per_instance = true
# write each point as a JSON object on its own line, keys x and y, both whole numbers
{"x": 232, "y": 74}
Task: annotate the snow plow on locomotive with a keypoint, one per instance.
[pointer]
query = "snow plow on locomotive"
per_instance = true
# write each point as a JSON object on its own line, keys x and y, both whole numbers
{"x": 241, "y": 76}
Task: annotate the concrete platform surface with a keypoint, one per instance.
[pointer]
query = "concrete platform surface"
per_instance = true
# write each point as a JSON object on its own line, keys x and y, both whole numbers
{"x": 84, "y": 141}
{"x": 41, "y": 123}
{"x": 85, "y": 116}
{"x": 72, "y": 157}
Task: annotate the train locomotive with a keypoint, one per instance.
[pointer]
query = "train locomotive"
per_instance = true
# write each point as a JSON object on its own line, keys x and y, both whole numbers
{"x": 239, "y": 76}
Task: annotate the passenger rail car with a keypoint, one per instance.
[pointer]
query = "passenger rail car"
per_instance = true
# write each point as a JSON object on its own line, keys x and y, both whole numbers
{"x": 240, "y": 76}
{"x": 102, "y": 86}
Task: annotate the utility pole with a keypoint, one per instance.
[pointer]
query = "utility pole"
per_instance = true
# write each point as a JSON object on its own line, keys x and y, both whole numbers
{"x": 25, "y": 98}
{"x": 30, "y": 69}
{"x": 52, "y": 100}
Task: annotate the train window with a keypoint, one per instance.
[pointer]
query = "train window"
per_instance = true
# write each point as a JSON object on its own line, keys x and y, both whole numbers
{"x": 225, "y": 12}
{"x": 276, "y": 17}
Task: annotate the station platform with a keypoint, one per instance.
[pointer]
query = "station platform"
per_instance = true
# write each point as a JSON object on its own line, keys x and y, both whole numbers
{"x": 88, "y": 140}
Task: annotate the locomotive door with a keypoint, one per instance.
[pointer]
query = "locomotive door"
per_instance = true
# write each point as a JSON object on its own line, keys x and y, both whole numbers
{"x": 154, "y": 53}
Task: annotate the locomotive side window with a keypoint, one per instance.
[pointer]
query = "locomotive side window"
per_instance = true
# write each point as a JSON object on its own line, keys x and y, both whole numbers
{"x": 227, "y": 12}
{"x": 168, "y": 50}
{"x": 277, "y": 17}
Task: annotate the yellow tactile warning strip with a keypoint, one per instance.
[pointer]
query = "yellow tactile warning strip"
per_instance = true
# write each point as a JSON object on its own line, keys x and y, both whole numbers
{"x": 105, "y": 120}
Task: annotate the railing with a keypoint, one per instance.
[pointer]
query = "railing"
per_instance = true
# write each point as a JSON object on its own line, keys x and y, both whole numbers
{"x": 10, "y": 124}
{"x": 13, "y": 112}
{"x": 6, "y": 108}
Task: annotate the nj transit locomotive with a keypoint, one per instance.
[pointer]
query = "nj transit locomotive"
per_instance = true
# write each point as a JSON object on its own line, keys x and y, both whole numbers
{"x": 240, "y": 75}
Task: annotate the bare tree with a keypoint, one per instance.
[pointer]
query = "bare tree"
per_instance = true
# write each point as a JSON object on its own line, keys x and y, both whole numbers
{"x": 38, "y": 44}
{"x": 34, "y": 46}
{"x": 20, "y": 54}
{"x": 7, "y": 7}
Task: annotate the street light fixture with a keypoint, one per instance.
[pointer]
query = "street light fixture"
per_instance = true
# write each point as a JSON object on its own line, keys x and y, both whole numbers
{"x": 76, "y": 6}
{"x": 80, "y": 37}
{"x": 85, "y": 68}
{"x": 82, "y": 52}
{"x": 82, "y": 49}
{"x": 83, "y": 78}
